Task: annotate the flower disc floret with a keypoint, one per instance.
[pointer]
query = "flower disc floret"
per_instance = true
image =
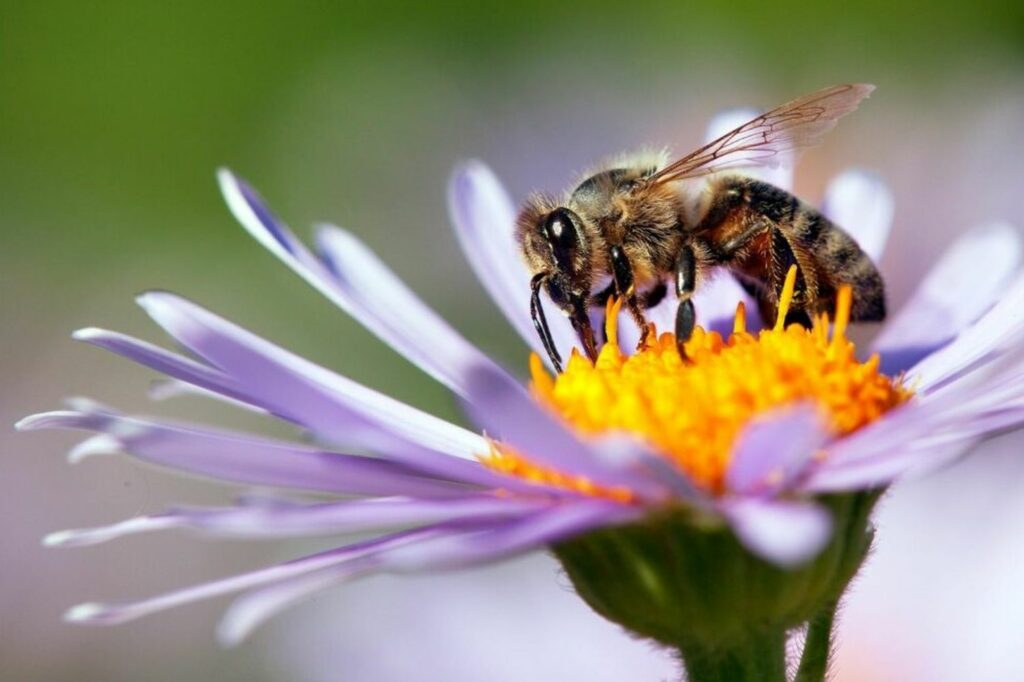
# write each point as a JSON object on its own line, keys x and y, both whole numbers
{"x": 694, "y": 410}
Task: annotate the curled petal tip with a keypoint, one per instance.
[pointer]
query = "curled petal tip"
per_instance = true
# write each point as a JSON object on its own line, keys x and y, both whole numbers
{"x": 43, "y": 420}
{"x": 87, "y": 333}
{"x": 101, "y": 444}
{"x": 60, "y": 538}
{"x": 93, "y": 613}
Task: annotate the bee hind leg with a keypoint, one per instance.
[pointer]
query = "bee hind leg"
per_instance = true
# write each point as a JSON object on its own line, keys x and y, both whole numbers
{"x": 783, "y": 258}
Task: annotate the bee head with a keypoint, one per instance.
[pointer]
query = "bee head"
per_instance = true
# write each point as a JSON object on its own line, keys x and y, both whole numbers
{"x": 554, "y": 242}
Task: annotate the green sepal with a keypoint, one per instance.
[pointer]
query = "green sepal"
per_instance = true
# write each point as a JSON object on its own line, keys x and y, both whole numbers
{"x": 688, "y": 583}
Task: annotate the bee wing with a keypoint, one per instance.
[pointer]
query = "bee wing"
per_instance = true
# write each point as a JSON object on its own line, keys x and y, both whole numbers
{"x": 766, "y": 139}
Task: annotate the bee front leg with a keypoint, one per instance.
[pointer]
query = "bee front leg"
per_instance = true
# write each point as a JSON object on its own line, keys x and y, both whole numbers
{"x": 686, "y": 282}
{"x": 622, "y": 273}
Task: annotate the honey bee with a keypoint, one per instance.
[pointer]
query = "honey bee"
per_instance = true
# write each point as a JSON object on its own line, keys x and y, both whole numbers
{"x": 633, "y": 226}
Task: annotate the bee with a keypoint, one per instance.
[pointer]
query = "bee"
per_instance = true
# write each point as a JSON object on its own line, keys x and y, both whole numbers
{"x": 633, "y": 227}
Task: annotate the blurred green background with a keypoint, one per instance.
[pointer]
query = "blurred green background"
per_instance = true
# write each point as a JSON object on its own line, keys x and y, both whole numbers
{"x": 113, "y": 117}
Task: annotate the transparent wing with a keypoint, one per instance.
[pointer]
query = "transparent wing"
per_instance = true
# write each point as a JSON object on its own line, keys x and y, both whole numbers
{"x": 765, "y": 140}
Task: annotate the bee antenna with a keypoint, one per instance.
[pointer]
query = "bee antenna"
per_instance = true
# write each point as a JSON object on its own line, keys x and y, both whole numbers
{"x": 540, "y": 322}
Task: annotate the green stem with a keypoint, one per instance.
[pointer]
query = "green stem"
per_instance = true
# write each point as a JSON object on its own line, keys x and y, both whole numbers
{"x": 759, "y": 659}
{"x": 818, "y": 646}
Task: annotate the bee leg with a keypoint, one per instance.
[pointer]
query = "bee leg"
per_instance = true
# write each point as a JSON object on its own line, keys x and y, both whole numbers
{"x": 783, "y": 258}
{"x": 622, "y": 273}
{"x": 540, "y": 322}
{"x": 600, "y": 301}
{"x": 580, "y": 319}
{"x": 686, "y": 282}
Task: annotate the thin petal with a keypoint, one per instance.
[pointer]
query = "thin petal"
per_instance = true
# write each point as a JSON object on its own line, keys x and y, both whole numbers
{"x": 164, "y": 389}
{"x": 930, "y": 432}
{"x": 350, "y": 414}
{"x": 774, "y": 450}
{"x": 303, "y": 520}
{"x": 254, "y": 460}
{"x": 877, "y": 472}
{"x": 162, "y": 360}
{"x": 484, "y": 219}
{"x": 861, "y": 203}
{"x": 535, "y": 531}
{"x": 971, "y": 276}
{"x": 412, "y": 331}
{"x": 784, "y": 533}
{"x": 113, "y": 614}
{"x": 251, "y": 610}
{"x": 998, "y": 330}
{"x": 442, "y": 551}
{"x": 382, "y": 302}
{"x": 81, "y": 537}
{"x": 333, "y": 406}
{"x": 508, "y": 414}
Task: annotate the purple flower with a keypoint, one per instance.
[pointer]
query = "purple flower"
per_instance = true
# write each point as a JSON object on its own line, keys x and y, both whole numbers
{"x": 432, "y": 497}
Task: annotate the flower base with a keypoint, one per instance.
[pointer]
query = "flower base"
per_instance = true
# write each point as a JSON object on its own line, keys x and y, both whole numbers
{"x": 690, "y": 585}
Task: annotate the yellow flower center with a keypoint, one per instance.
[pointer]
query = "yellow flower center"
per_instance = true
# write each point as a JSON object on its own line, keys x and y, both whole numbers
{"x": 692, "y": 411}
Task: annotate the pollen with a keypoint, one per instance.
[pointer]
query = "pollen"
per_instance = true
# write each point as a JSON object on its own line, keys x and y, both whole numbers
{"x": 692, "y": 411}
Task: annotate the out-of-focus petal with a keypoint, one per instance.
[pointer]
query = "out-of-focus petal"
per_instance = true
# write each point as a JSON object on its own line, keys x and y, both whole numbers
{"x": 165, "y": 361}
{"x": 484, "y": 219}
{"x": 283, "y": 520}
{"x": 1000, "y": 329}
{"x": 785, "y": 533}
{"x": 349, "y": 556}
{"x": 405, "y": 330}
{"x": 772, "y": 451}
{"x": 451, "y": 550}
{"x": 877, "y": 472}
{"x": 931, "y": 431}
{"x": 244, "y": 458}
{"x": 971, "y": 276}
{"x": 716, "y": 304}
{"x": 861, "y": 203}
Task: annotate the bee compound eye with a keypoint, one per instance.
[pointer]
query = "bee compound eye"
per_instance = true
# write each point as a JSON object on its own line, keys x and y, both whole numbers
{"x": 560, "y": 232}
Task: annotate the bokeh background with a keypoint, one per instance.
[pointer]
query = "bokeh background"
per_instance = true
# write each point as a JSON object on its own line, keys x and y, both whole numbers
{"x": 113, "y": 117}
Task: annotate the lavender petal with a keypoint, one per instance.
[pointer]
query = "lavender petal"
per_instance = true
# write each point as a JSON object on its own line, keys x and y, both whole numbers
{"x": 978, "y": 267}
{"x": 114, "y": 614}
{"x": 405, "y": 330}
{"x": 861, "y": 203}
{"x": 454, "y": 549}
{"x": 254, "y": 460}
{"x": 782, "y": 532}
{"x": 484, "y": 220}
{"x": 773, "y": 451}
{"x": 283, "y": 520}
{"x": 384, "y": 304}
{"x": 998, "y": 330}
{"x": 506, "y": 412}
{"x": 329, "y": 404}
